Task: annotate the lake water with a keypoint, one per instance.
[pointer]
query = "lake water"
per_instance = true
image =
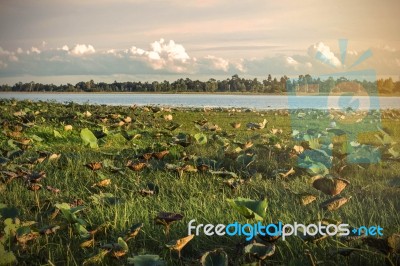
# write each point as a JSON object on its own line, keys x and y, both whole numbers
{"x": 216, "y": 100}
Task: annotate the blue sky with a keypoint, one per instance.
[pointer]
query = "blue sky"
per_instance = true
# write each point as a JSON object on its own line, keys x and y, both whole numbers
{"x": 68, "y": 41}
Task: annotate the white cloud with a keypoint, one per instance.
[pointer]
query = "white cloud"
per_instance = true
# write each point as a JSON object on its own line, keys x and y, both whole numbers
{"x": 9, "y": 55}
{"x": 82, "y": 49}
{"x": 162, "y": 55}
{"x": 13, "y": 58}
{"x": 389, "y": 49}
{"x": 35, "y": 50}
{"x": 4, "y": 52}
{"x": 323, "y": 53}
{"x": 218, "y": 63}
{"x": 239, "y": 66}
{"x": 350, "y": 52}
{"x": 165, "y": 58}
{"x": 3, "y": 64}
{"x": 290, "y": 61}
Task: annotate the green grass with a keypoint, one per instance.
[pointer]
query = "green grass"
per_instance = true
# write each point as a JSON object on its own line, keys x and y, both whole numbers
{"x": 200, "y": 195}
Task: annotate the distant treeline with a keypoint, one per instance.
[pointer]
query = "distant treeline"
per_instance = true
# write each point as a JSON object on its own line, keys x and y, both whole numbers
{"x": 303, "y": 84}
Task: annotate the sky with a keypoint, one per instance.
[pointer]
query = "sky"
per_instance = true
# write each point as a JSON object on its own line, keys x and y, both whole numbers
{"x": 51, "y": 41}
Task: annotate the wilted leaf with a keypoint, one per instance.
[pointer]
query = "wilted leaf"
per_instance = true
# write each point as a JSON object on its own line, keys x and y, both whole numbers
{"x": 380, "y": 244}
{"x": 179, "y": 244}
{"x": 288, "y": 173}
{"x": 54, "y": 156}
{"x": 103, "y": 183}
{"x": 160, "y": 155}
{"x": 34, "y": 186}
{"x": 36, "y": 177}
{"x": 253, "y": 125}
{"x": 217, "y": 257}
{"x": 260, "y": 251}
{"x": 298, "y": 149}
{"x": 394, "y": 243}
{"x": 133, "y": 231}
{"x": 49, "y": 230}
{"x": 87, "y": 244}
{"x": 306, "y": 198}
{"x": 168, "y": 217}
{"x": 136, "y": 166}
{"x": 25, "y": 234}
{"x": 67, "y": 127}
{"x": 52, "y": 189}
{"x": 331, "y": 185}
{"x": 235, "y": 124}
{"x": 334, "y": 203}
{"x": 234, "y": 183}
{"x": 94, "y": 166}
{"x": 96, "y": 259}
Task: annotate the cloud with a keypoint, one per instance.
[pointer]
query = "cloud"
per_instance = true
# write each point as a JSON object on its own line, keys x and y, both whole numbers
{"x": 3, "y": 65}
{"x": 218, "y": 63}
{"x": 164, "y": 55}
{"x": 323, "y": 53}
{"x": 7, "y": 55}
{"x": 290, "y": 61}
{"x": 170, "y": 59}
{"x": 81, "y": 49}
{"x": 35, "y": 50}
{"x": 388, "y": 48}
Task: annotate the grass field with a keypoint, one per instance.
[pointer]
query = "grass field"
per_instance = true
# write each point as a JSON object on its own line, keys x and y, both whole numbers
{"x": 82, "y": 184}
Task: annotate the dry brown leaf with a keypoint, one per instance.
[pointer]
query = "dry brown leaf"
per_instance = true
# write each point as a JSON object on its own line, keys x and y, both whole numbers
{"x": 136, "y": 166}
{"x": 330, "y": 186}
{"x": 103, "y": 183}
{"x": 87, "y": 243}
{"x": 288, "y": 173}
{"x": 94, "y": 166}
{"x": 334, "y": 203}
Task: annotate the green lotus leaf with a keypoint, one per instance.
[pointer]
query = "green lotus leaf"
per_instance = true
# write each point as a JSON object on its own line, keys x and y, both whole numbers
{"x": 57, "y": 134}
{"x": 200, "y": 138}
{"x": 81, "y": 230}
{"x": 250, "y": 208}
{"x": 89, "y": 138}
{"x": 146, "y": 260}
{"x": 6, "y": 257}
{"x": 317, "y": 169}
{"x": 8, "y": 212}
{"x": 123, "y": 244}
{"x": 336, "y": 131}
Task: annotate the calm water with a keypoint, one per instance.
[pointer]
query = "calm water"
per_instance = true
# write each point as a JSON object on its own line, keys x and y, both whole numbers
{"x": 208, "y": 100}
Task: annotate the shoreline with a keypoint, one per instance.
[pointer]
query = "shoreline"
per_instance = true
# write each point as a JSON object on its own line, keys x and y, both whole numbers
{"x": 195, "y": 93}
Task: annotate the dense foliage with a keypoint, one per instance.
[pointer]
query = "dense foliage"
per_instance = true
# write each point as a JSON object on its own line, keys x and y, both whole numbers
{"x": 233, "y": 84}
